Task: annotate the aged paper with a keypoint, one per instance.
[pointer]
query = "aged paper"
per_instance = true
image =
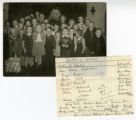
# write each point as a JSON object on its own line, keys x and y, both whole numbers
{"x": 94, "y": 86}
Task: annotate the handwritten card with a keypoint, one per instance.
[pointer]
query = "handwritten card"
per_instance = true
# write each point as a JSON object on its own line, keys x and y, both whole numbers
{"x": 94, "y": 86}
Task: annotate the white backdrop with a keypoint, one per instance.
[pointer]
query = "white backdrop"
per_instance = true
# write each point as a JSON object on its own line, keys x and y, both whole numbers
{"x": 34, "y": 98}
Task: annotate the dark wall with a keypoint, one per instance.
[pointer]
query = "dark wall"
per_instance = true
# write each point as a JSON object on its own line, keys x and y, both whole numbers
{"x": 17, "y": 10}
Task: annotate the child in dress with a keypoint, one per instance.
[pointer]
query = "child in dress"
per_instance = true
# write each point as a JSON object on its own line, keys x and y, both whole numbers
{"x": 12, "y": 42}
{"x": 20, "y": 51}
{"x": 79, "y": 43}
{"x": 38, "y": 45}
{"x": 20, "y": 39}
{"x": 65, "y": 43}
{"x": 57, "y": 47}
{"x": 49, "y": 49}
{"x": 27, "y": 47}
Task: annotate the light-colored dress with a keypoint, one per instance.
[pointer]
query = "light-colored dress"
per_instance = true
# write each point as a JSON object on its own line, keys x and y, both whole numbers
{"x": 38, "y": 44}
{"x": 57, "y": 48}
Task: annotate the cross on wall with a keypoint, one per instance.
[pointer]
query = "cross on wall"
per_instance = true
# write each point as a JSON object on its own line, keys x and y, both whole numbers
{"x": 93, "y": 10}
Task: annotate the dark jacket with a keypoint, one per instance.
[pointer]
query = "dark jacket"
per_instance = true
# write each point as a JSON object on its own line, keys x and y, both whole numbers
{"x": 88, "y": 35}
{"x": 99, "y": 46}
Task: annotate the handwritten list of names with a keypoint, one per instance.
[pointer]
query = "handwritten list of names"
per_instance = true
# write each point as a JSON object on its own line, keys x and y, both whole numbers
{"x": 94, "y": 86}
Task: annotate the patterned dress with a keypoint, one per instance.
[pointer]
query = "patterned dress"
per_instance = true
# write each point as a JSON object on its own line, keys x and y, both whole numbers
{"x": 28, "y": 42}
{"x": 20, "y": 39}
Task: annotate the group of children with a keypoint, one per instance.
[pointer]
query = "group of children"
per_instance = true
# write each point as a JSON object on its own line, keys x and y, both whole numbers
{"x": 35, "y": 36}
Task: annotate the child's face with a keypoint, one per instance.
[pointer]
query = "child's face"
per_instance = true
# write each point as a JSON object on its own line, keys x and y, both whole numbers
{"x": 34, "y": 21}
{"x": 98, "y": 33}
{"x": 87, "y": 22}
{"x": 56, "y": 27}
{"x": 28, "y": 23}
{"x": 22, "y": 20}
{"x": 84, "y": 27}
{"x": 49, "y": 32}
{"x": 15, "y": 23}
{"x": 80, "y": 19}
{"x": 38, "y": 29}
{"x": 41, "y": 17}
{"x": 63, "y": 19}
{"x": 65, "y": 32}
{"x": 91, "y": 25}
{"x": 37, "y": 13}
{"x": 20, "y": 25}
{"x": 29, "y": 30}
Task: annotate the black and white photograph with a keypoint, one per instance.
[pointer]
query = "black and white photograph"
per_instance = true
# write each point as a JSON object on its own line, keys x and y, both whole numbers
{"x": 34, "y": 34}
